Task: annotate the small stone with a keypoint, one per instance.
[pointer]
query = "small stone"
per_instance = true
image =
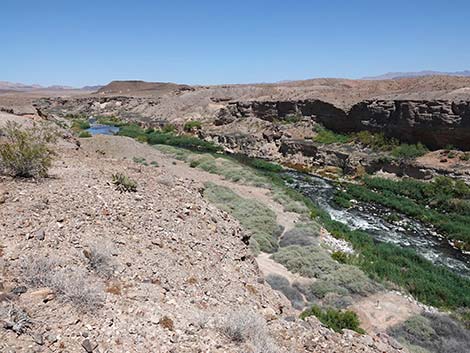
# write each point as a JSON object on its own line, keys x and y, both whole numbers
{"x": 39, "y": 339}
{"x": 40, "y": 234}
{"x": 89, "y": 346}
{"x": 19, "y": 290}
{"x": 51, "y": 338}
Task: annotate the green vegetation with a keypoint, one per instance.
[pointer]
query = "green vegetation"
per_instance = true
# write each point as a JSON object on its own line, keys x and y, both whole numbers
{"x": 79, "y": 125}
{"x": 406, "y": 151}
{"x": 110, "y": 120}
{"x": 167, "y": 137}
{"x": 432, "y": 332}
{"x": 253, "y": 215}
{"x": 289, "y": 119}
{"x": 27, "y": 152}
{"x": 192, "y": 125}
{"x": 376, "y": 141}
{"x": 382, "y": 262}
{"x": 335, "y": 319}
{"x": 328, "y": 137}
{"x": 140, "y": 160}
{"x": 444, "y": 203}
{"x": 388, "y": 263}
{"x": 123, "y": 183}
{"x": 331, "y": 276}
{"x": 84, "y": 134}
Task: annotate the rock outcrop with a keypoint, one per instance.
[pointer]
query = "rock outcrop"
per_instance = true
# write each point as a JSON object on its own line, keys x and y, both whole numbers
{"x": 437, "y": 123}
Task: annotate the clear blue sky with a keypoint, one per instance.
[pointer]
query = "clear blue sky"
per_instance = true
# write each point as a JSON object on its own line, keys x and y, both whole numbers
{"x": 81, "y": 42}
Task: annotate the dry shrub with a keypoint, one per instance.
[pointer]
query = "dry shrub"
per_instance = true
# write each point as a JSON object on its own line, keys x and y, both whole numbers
{"x": 245, "y": 326}
{"x": 167, "y": 323}
{"x": 99, "y": 259}
{"x": 26, "y": 152}
{"x": 123, "y": 183}
{"x": 70, "y": 284}
{"x": 15, "y": 319}
{"x": 283, "y": 285}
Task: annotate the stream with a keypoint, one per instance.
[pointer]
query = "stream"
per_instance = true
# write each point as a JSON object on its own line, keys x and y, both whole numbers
{"x": 375, "y": 220}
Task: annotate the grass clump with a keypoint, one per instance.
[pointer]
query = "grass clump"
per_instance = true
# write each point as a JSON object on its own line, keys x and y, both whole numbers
{"x": 192, "y": 125}
{"x": 26, "y": 152}
{"x": 131, "y": 130}
{"x": 253, "y": 215}
{"x": 123, "y": 183}
{"x": 337, "y": 320}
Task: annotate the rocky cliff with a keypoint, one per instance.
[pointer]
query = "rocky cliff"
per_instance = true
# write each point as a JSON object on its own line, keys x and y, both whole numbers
{"x": 437, "y": 123}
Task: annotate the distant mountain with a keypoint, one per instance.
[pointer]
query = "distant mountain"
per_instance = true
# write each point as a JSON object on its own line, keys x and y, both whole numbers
{"x": 395, "y": 75}
{"x": 20, "y": 87}
{"x": 133, "y": 86}
{"x": 91, "y": 88}
{"x": 12, "y": 86}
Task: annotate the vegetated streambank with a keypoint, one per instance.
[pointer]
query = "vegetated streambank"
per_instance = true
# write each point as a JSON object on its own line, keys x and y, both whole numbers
{"x": 383, "y": 223}
{"x": 386, "y": 263}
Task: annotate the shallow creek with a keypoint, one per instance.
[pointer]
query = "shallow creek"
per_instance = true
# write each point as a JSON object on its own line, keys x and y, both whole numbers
{"x": 375, "y": 220}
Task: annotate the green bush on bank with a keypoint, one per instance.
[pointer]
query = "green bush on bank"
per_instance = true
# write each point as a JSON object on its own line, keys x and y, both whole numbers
{"x": 337, "y": 320}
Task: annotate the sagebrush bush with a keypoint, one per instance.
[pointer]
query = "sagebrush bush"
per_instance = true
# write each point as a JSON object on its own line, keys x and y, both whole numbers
{"x": 332, "y": 276}
{"x": 246, "y": 326}
{"x": 99, "y": 258}
{"x": 302, "y": 235}
{"x": 283, "y": 285}
{"x": 436, "y": 333}
{"x": 69, "y": 284}
{"x": 123, "y": 183}
{"x": 26, "y": 152}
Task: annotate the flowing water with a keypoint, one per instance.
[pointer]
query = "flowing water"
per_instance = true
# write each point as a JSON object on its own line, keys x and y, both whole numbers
{"x": 375, "y": 220}
{"x": 98, "y": 129}
{"x": 101, "y": 129}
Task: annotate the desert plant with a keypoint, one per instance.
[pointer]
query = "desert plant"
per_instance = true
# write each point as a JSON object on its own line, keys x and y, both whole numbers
{"x": 27, "y": 152}
{"x": 253, "y": 215}
{"x": 329, "y": 137}
{"x": 69, "y": 284}
{"x": 246, "y": 326}
{"x": 15, "y": 319}
{"x": 192, "y": 125}
{"x": 335, "y": 319}
{"x": 99, "y": 259}
{"x": 283, "y": 285}
{"x": 406, "y": 151}
{"x": 436, "y": 333}
{"x": 123, "y": 183}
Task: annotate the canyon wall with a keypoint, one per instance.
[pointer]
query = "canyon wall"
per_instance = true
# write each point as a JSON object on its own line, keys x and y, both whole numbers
{"x": 437, "y": 123}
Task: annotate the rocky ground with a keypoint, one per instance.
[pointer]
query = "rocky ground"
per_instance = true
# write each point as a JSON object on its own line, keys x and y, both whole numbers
{"x": 85, "y": 268}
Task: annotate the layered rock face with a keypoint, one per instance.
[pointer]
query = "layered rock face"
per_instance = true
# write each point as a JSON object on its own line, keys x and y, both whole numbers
{"x": 437, "y": 124}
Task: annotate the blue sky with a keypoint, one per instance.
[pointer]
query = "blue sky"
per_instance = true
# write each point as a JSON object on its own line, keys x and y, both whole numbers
{"x": 82, "y": 42}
